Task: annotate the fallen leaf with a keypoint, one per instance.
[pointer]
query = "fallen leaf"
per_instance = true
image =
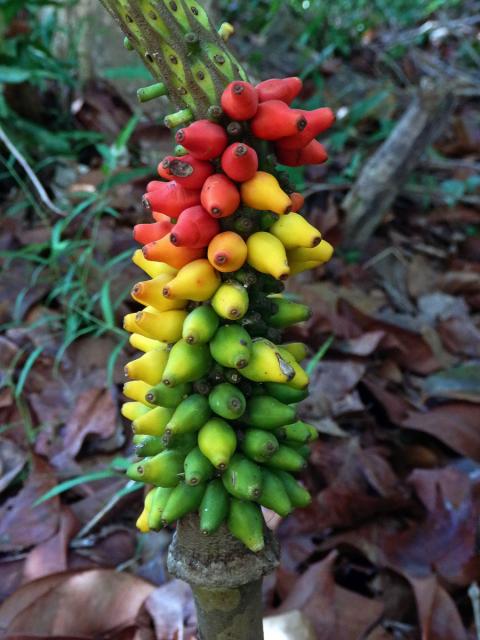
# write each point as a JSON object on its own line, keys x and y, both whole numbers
{"x": 459, "y": 383}
{"x": 12, "y": 461}
{"x": 332, "y": 389}
{"x": 21, "y": 524}
{"x": 404, "y": 344}
{"x": 109, "y": 547}
{"x": 460, "y": 336}
{"x": 439, "y": 617}
{"x": 336, "y": 613}
{"x": 86, "y": 604}
{"x": 455, "y": 424}
{"x": 51, "y": 556}
{"x": 95, "y": 414}
{"x": 364, "y": 345}
{"x": 172, "y": 610}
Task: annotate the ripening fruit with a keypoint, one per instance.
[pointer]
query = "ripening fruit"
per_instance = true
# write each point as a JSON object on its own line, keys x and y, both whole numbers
{"x": 294, "y": 231}
{"x": 266, "y": 364}
{"x": 205, "y": 140}
{"x": 217, "y": 441}
{"x": 243, "y": 478}
{"x": 313, "y": 153}
{"x": 284, "y": 393}
{"x": 300, "y": 267}
{"x": 239, "y": 100}
{"x": 274, "y": 495}
{"x": 298, "y": 495}
{"x": 259, "y": 444}
{"x": 267, "y": 254}
{"x": 183, "y": 499}
{"x": 220, "y": 196}
{"x": 214, "y": 507}
{"x": 230, "y": 300}
{"x": 149, "y": 367}
{"x": 187, "y": 171}
{"x": 231, "y": 346}
{"x": 194, "y": 228}
{"x": 240, "y": 162}
{"x": 299, "y": 350}
{"x": 321, "y": 253}
{"x": 145, "y": 344}
{"x": 264, "y": 193}
{"x": 163, "y": 470}
{"x": 286, "y": 459}
{"x": 171, "y": 198}
{"x": 152, "y": 423}
{"x": 274, "y": 120}
{"x": 245, "y": 522}
{"x": 142, "y": 521}
{"x": 288, "y": 313}
{"x": 170, "y": 397}
{"x": 145, "y": 233}
{"x": 266, "y": 412}
{"x": 164, "y": 251}
{"x": 285, "y": 89}
{"x": 150, "y": 292}
{"x": 152, "y": 267}
{"x": 159, "y": 502}
{"x": 190, "y": 415}
{"x": 227, "y": 252}
{"x": 300, "y": 380}
{"x": 196, "y": 281}
{"x": 133, "y": 410}
{"x": 200, "y": 325}
{"x": 227, "y": 401}
{"x": 197, "y": 467}
{"x": 137, "y": 390}
{"x": 317, "y": 121}
{"x": 165, "y": 326}
{"x": 186, "y": 363}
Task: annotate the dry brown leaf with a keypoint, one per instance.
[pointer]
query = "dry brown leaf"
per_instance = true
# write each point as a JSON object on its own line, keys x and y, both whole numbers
{"x": 336, "y": 613}
{"x": 455, "y": 424}
{"x": 437, "y": 613}
{"x": 95, "y": 414}
{"x": 21, "y": 524}
{"x": 87, "y": 604}
{"x": 172, "y": 610}
{"x": 51, "y": 556}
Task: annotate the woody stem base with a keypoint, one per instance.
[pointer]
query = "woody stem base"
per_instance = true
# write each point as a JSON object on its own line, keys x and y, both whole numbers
{"x": 225, "y": 577}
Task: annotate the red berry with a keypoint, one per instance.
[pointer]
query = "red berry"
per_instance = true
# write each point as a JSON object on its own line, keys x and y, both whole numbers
{"x": 313, "y": 153}
{"x": 239, "y": 100}
{"x": 317, "y": 121}
{"x": 219, "y": 196}
{"x": 204, "y": 139}
{"x": 194, "y": 229}
{"x": 274, "y": 120}
{"x": 170, "y": 198}
{"x": 284, "y": 89}
{"x": 240, "y": 162}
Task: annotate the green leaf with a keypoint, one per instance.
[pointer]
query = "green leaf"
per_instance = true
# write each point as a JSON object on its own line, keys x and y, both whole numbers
{"x": 13, "y": 75}
{"x": 22, "y": 378}
{"x": 310, "y": 368}
{"x": 73, "y": 482}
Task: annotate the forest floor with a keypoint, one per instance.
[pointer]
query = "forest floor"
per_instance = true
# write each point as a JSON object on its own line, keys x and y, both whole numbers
{"x": 388, "y": 550}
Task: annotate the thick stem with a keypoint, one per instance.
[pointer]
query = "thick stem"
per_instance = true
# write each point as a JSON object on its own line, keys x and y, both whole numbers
{"x": 226, "y": 579}
{"x": 180, "y": 47}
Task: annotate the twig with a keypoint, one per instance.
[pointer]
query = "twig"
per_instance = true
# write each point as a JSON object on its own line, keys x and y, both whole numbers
{"x": 474, "y": 595}
{"x": 43, "y": 195}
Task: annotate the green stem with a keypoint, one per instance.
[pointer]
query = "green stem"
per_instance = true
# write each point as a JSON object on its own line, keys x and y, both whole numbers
{"x": 181, "y": 48}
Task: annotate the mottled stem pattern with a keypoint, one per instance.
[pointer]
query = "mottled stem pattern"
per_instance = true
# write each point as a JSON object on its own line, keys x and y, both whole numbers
{"x": 178, "y": 43}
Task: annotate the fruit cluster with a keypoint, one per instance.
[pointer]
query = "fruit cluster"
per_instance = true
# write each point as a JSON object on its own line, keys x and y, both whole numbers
{"x": 213, "y": 398}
